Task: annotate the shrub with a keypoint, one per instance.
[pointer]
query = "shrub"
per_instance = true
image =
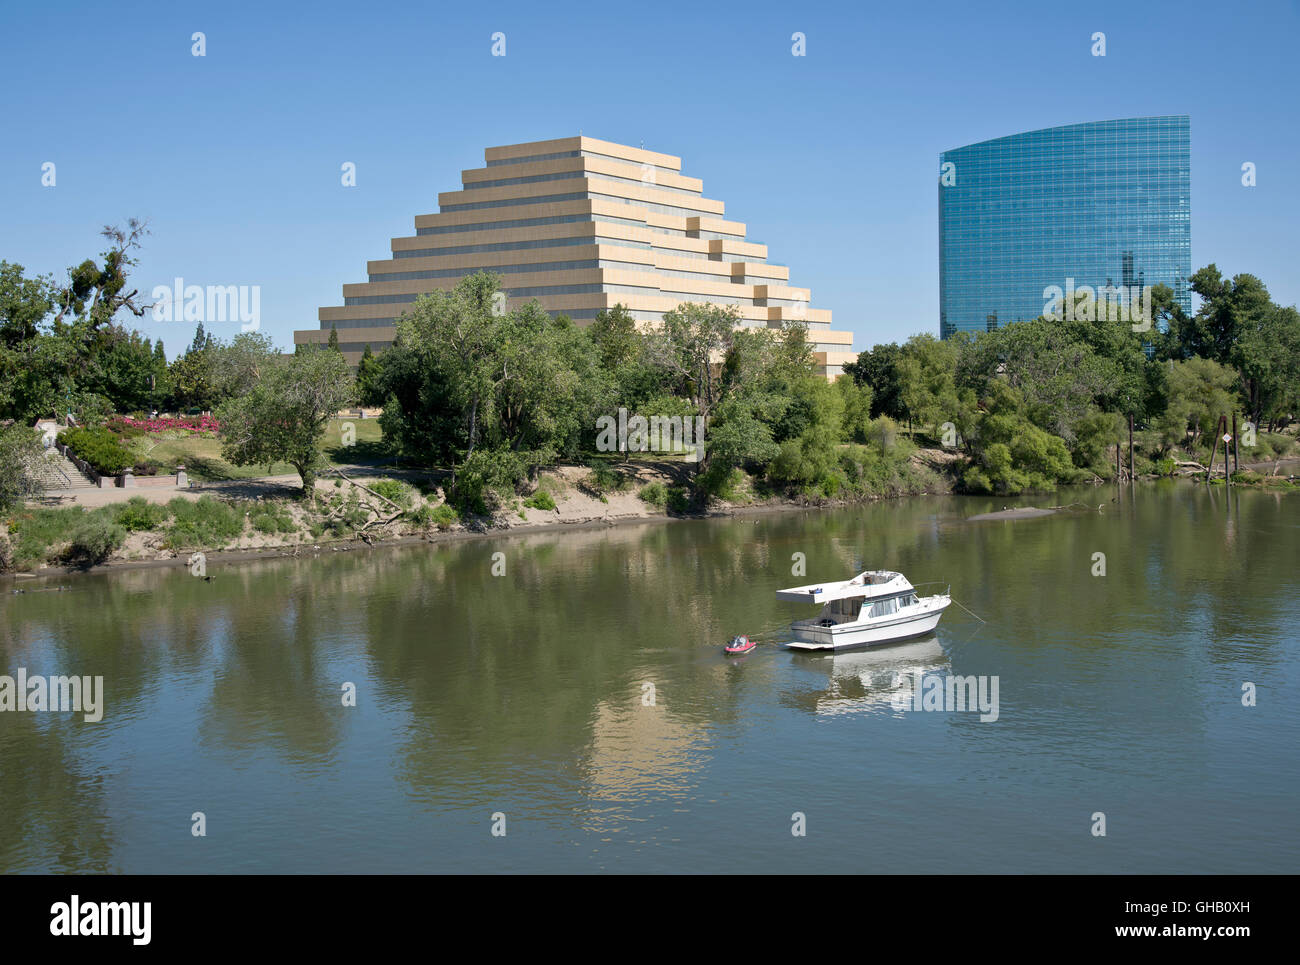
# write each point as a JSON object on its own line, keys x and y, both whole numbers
{"x": 207, "y": 523}
{"x": 270, "y": 518}
{"x": 391, "y": 489}
{"x": 6, "y": 554}
{"x": 137, "y": 515}
{"x": 721, "y": 480}
{"x": 35, "y": 532}
{"x": 603, "y": 479}
{"x": 679, "y": 499}
{"x": 99, "y": 447}
{"x": 484, "y": 475}
{"x": 445, "y": 516}
{"x": 1268, "y": 445}
{"x": 94, "y": 540}
{"x": 655, "y": 493}
{"x": 1165, "y": 467}
{"x": 540, "y": 500}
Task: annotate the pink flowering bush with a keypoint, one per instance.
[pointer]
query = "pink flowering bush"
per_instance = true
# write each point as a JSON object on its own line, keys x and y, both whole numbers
{"x": 204, "y": 425}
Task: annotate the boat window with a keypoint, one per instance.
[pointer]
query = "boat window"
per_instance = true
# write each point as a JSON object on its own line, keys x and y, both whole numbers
{"x": 883, "y": 608}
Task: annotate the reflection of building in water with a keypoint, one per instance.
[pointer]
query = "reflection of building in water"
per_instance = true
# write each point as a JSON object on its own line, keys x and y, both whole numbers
{"x": 868, "y": 681}
{"x": 638, "y": 755}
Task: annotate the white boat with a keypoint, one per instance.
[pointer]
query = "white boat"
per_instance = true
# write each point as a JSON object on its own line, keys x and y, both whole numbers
{"x": 873, "y": 608}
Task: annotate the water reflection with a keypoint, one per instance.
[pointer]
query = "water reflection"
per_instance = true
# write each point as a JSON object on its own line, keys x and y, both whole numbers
{"x": 524, "y": 692}
{"x": 867, "y": 681}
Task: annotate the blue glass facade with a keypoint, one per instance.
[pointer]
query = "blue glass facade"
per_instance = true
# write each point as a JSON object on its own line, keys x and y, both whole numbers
{"x": 1104, "y": 203}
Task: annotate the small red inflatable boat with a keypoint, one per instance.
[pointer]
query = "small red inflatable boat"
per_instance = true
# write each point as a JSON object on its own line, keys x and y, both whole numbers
{"x": 740, "y": 644}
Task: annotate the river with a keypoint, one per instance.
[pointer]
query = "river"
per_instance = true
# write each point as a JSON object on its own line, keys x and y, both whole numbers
{"x": 578, "y": 703}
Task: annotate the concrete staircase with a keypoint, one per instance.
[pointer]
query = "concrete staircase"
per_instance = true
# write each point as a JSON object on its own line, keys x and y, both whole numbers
{"x": 59, "y": 474}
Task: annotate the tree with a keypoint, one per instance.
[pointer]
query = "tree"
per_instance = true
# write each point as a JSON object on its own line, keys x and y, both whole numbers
{"x": 334, "y": 339}
{"x": 877, "y": 368}
{"x": 368, "y": 379}
{"x": 1267, "y": 353}
{"x": 202, "y": 340}
{"x": 20, "y": 460}
{"x": 283, "y": 417}
{"x": 856, "y": 400}
{"x": 193, "y": 377}
{"x": 1200, "y": 390}
{"x": 24, "y": 304}
{"x": 161, "y": 379}
{"x": 237, "y": 366}
{"x": 1058, "y": 377}
{"x": 94, "y": 295}
{"x": 615, "y": 334}
{"x": 521, "y": 385}
{"x": 1010, "y": 453}
{"x": 120, "y": 368}
{"x": 925, "y": 371}
{"x": 1226, "y": 306}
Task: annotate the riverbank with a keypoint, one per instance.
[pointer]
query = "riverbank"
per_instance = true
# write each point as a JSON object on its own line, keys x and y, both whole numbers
{"x": 572, "y": 500}
{"x": 265, "y": 518}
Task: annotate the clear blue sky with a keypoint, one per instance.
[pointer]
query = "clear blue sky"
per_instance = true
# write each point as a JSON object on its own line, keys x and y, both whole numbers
{"x": 831, "y": 159}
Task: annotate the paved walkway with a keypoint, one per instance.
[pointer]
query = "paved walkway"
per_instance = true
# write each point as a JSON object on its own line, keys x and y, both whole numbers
{"x": 260, "y": 486}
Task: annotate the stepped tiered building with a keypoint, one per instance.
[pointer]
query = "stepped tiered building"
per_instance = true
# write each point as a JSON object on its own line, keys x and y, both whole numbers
{"x": 580, "y": 225}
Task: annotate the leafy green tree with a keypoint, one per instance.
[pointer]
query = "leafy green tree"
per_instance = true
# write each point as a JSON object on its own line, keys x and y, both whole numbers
{"x": 334, "y": 339}
{"x": 95, "y": 293}
{"x": 20, "y": 460}
{"x": 120, "y": 368}
{"x": 1057, "y": 376}
{"x": 614, "y": 332}
{"x": 283, "y": 417}
{"x": 1200, "y": 390}
{"x": 24, "y": 304}
{"x": 1011, "y": 453}
{"x": 877, "y": 368}
{"x": 926, "y": 370}
{"x": 855, "y": 398}
{"x": 237, "y": 366}
{"x": 1226, "y": 306}
{"x": 812, "y": 456}
{"x": 202, "y": 340}
{"x": 461, "y": 376}
{"x": 1267, "y": 353}
{"x": 162, "y": 387}
{"x": 193, "y": 377}
{"x": 368, "y": 379}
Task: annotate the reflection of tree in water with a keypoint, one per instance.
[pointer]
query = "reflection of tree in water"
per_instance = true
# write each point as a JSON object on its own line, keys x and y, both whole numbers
{"x": 273, "y": 639}
{"x": 53, "y": 805}
{"x": 531, "y": 681}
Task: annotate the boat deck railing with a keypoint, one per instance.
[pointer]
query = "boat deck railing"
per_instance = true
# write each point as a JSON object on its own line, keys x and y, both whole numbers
{"x": 947, "y": 588}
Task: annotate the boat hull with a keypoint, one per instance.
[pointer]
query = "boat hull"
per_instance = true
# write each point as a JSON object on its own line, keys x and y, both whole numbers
{"x": 871, "y": 633}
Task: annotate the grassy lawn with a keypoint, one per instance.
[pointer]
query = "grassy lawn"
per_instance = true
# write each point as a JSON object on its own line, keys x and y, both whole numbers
{"x": 201, "y": 455}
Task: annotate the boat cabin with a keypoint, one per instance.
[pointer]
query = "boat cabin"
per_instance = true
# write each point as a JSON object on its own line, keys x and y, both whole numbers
{"x": 875, "y": 593}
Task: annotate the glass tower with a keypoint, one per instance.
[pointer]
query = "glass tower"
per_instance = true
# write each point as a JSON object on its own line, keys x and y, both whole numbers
{"x": 1104, "y": 203}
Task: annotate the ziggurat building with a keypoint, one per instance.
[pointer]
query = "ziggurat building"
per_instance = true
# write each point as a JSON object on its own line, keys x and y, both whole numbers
{"x": 580, "y": 225}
